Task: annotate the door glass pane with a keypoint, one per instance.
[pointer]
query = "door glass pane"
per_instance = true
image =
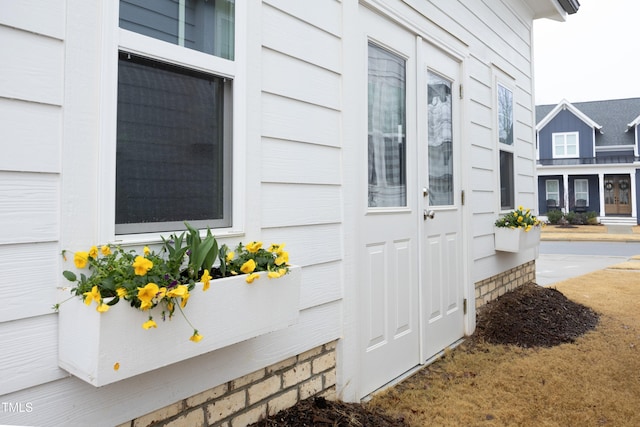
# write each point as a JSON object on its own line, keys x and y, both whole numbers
{"x": 439, "y": 136}
{"x": 623, "y": 193}
{"x": 386, "y": 129}
{"x": 609, "y": 196}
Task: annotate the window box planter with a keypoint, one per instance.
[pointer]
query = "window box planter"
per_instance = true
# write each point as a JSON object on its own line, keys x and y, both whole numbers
{"x": 102, "y": 348}
{"x": 516, "y": 239}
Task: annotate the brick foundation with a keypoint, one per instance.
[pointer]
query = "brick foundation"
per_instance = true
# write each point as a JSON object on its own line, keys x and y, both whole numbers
{"x": 254, "y": 396}
{"x": 491, "y": 288}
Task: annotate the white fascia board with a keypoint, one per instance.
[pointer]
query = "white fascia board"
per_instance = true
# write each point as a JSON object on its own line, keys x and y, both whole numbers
{"x": 633, "y": 124}
{"x": 566, "y": 105}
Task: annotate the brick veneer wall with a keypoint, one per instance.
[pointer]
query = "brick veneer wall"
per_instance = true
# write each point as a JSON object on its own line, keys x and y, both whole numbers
{"x": 491, "y": 288}
{"x": 250, "y": 398}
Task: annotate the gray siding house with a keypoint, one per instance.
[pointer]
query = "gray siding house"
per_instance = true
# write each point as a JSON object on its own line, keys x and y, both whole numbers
{"x": 587, "y": 158}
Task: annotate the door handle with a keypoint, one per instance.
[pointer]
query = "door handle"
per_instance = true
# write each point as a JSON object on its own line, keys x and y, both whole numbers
{"x": 428, "y": 214}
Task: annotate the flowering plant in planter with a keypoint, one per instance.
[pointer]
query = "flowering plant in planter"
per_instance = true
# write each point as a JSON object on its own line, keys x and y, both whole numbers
{"x": 518, "y": 218}
{"x": 167, "y": 278}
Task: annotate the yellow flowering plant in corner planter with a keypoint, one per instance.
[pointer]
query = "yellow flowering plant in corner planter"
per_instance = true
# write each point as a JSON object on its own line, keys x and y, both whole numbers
{"x": 509, "y": 229}
{"x": 168, "y": 278}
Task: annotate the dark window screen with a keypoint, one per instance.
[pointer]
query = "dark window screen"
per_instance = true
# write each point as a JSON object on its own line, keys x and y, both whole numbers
{"x": 170, "y": 147}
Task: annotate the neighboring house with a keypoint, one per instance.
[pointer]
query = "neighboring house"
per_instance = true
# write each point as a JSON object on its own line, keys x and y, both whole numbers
{"x": 379, "y": 139}
{"x": 588, "y": 158}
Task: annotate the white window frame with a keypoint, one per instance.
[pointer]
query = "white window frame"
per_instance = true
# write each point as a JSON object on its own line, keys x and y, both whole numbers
{"x": 548, "y": 193}
{"x": 564, "y": 136}
{"x": 582, "y": 181}
{"x": 501, "y": 79}
{"x": 116, "y": 39}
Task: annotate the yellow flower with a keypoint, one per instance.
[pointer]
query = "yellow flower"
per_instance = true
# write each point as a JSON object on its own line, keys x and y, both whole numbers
{"x": 141, "y": 265}
{"x": 93, "y": 252}
{"x": 527, "y": 228}
{"x": 179, "y": 291}
{"x": 520, "y": 218}
{"x": 80, "y": 259}
{"x": 253, "y": 247}
{"x": 106, "y": 250}
{"x": 102, "y": 307}
{"x": 206, "y": 280}
{"x": 146, "y": 250}
{"x": 196, "y": 337}
{"x": 283, "y": 258}
{"x": 520, "y": 208}
{"x": 116, "y": 366}
{"x": 275, "y": 247}
{"x": 93, "y": 295}
{"x": 248, "y": 266}
{"x": 273, "y": 274}
{"x": 282, "y": 271}
{"x": 148, "y": 293}
{"x": 122, "y": 292}
{"x": 230, "y": 256}
{"x": 184, "y": 300}
{"x": 161, "y": 293}
{"x": 253, "y": 276}
{"x": 146, "y": 305}
{"x": 149, "y": 324}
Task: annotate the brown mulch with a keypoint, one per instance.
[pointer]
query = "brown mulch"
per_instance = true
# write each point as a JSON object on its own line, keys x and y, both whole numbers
{"x": 529, "y": 316}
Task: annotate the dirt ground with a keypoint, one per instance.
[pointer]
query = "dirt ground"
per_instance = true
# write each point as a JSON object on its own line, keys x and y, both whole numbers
{"x": 537, "y": 357}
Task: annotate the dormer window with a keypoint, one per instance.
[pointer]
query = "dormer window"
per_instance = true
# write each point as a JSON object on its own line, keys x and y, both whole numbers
{"x": 565, "y": 145}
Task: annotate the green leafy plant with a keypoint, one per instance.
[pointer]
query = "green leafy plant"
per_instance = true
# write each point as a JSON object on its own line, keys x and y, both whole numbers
{"x": 518, "y": 218}
{"x": 554, "y": 216}
{"x": 166, "y": 278}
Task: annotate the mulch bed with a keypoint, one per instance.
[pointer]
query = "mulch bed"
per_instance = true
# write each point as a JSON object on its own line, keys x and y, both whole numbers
{"x": 529, "y": 316}
{"x": 533, "y": 316}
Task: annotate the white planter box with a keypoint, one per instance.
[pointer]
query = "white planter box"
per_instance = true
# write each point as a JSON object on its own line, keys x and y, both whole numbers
{"x": 516, "y": 239}
{"x": 91, "y": 343}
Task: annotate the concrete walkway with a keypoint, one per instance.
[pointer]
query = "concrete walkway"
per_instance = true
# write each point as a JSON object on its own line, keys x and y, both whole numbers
{"x": 596, "y": 233}
{"x": 552, "y": 268}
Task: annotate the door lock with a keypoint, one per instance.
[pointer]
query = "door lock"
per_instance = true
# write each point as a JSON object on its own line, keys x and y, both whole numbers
{"x": 428, "y": 214}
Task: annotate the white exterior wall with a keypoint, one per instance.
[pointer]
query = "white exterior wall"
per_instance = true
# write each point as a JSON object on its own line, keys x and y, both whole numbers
{"x": 56, "y": 110}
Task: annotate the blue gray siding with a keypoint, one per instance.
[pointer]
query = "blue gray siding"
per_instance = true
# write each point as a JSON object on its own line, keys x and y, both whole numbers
{"x": 566, "y": 121}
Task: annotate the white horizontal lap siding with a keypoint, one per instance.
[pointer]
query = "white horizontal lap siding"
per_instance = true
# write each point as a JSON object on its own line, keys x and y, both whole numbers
{"x": 70, "y": 401}
{"x": 29, "y": 276}
{"x": 36, "y": 16}
{"x": 32, "y": 66}
{"x": 29, "y": 205}
{"x": 301, "y": 193}
{"x": 30, "y": 136}
{"x": 301, "y": 204}
{"x": 28, "y": 354}
{"x": 31, "y": 97}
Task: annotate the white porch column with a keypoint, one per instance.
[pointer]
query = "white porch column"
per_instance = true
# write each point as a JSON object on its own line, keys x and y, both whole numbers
{"x": 601, "y": 193}
{"x": 632, "y": 195}
{"x": 565, "y": 184}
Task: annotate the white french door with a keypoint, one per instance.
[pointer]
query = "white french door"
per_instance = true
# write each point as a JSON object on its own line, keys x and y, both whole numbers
{"x": 389, "y": 280}
{"x": 412, "y": 277}
{"x": 442, "y": 259}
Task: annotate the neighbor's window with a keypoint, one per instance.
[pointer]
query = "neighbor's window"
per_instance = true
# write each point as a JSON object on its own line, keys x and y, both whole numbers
{"x": 565, "y": 144}
{"x": 174, "y": 133}
{"x": 553, "y": 190}
{"x": 581, "y": 190}
{"x": 203, "y": 25}
{"x": 506, "y": 143}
